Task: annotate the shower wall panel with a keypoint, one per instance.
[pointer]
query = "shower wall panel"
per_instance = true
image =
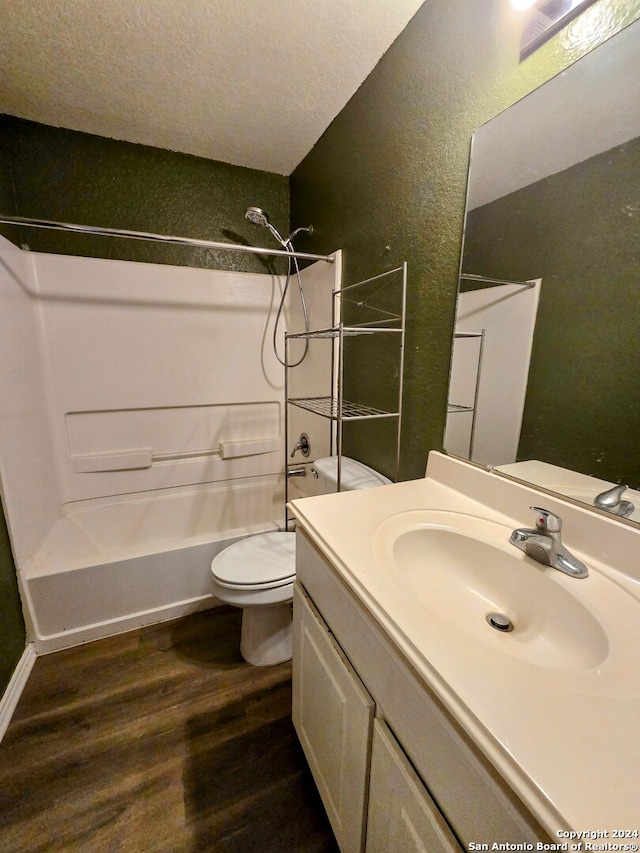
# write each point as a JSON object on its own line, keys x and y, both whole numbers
{"x": 507, "y": 314}
{"x": 30, "y": 493}
{"x": 313, "y": 377}
{"x": 160, "y": 376}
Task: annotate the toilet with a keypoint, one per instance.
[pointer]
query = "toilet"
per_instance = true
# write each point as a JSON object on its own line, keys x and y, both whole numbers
{"x": 257, "y": 573}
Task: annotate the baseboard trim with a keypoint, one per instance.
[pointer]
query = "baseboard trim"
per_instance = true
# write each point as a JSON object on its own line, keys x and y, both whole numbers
{"x": 12, "y": 694}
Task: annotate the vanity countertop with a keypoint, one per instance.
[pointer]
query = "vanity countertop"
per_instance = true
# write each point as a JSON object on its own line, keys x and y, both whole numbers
{"x": 566, "y": 739}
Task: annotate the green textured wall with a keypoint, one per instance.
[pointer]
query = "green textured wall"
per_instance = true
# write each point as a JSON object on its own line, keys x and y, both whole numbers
{"x": 12, "y": 642}
{"x": 77, "y": 177}
{"x": 386, "y": 181}
{"x": 7, "y": 201}
{"x": 573, "y": 230}
{"x": 12, "y": 629}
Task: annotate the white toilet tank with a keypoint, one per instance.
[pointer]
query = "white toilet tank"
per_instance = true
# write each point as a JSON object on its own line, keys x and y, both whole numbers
{"x": 353, "y": 475}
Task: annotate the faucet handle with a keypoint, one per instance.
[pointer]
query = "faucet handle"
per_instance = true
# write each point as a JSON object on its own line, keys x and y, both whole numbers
{"x": 547, "y": 521}
{"x": 303, "y": 445}
{"x": 610, "y": 498}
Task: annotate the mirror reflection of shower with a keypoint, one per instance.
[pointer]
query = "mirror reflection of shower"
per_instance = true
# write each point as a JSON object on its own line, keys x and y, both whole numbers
{"x": 257, "y": 216}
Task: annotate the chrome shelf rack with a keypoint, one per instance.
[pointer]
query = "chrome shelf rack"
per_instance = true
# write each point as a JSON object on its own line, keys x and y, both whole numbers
{"x": 456, "y": 408}
{"x": 331, "y": 407}
{"x": 366, "y": 304}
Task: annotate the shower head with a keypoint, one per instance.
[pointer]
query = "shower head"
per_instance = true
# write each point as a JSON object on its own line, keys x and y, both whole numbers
{"x": 257, "y": 216}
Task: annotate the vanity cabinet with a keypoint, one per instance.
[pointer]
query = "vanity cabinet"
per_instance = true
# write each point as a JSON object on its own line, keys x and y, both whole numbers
{"x": 401, "y": 814}
{"x": 394, "y": 769}
{"x": 361, "y": 772}
{"x": 333, "y": 716}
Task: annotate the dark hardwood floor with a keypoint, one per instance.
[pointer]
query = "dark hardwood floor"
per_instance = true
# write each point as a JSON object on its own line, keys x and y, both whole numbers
{"x": 161, "y": 739}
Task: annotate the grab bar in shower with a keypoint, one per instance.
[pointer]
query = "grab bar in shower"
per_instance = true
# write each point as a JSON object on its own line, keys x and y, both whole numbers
{"x": 141, "y": 458}
{"x": 127, "y": 460}
{"x": 228, "y": 449}
{"x": 249, "y": 447}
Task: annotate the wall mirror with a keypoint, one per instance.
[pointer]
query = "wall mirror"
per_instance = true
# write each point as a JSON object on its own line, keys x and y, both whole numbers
{"x": 545, "y": 381}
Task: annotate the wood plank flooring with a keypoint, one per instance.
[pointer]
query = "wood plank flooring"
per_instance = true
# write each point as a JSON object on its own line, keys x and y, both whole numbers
{"x": 161, "y": 739}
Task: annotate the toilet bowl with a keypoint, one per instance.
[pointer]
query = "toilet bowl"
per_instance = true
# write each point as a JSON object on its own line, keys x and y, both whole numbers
{"x": 257, "y": 573}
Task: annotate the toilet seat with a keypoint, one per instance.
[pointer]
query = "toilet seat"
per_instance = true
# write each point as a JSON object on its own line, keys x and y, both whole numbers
{"x": 262, "y": 562}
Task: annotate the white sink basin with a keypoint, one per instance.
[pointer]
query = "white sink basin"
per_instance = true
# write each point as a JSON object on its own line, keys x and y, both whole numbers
{"x": 461, "y": 568}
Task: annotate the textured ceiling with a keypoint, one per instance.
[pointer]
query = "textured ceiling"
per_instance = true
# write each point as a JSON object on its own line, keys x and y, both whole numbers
{"x": 249, "y": 82}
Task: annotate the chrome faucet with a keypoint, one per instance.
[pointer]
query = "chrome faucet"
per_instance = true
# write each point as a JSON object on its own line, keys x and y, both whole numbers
{"x": 611, "y": 501}
{"x": 544, "y": 544}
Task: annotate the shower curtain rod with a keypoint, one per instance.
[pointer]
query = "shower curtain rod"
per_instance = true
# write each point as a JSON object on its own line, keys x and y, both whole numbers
{"x": 488, "y": 280}
{"x": 157, "y": 238}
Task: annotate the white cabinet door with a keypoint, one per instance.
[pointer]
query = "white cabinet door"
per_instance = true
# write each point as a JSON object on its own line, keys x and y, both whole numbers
{"x": 333, "y": 716}
{"x": 402, "y": 815}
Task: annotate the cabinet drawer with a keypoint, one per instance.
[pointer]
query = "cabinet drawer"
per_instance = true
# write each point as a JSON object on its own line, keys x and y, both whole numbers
{"x": 333, "y": 716}
{"x": 402, "y": 815}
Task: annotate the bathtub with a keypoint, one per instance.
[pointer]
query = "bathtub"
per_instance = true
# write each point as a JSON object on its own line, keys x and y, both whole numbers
{"x": 111, "y": 565}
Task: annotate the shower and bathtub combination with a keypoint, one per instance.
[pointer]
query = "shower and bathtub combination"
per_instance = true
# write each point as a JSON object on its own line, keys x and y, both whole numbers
{"x": 131, "y": 454}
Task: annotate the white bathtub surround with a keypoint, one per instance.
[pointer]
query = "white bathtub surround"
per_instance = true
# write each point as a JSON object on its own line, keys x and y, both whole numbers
{"x": 28, "y": 477}
{"x": 314, "y": 374}
{"x": 141, "y": 431}
{"x": 564, "y": 732}
{"x": 507, "y": 315}
{"x": 159, "y": 363}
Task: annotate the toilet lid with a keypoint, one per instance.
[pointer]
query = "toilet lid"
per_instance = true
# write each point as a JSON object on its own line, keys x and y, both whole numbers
{"x": 269, "y": 558}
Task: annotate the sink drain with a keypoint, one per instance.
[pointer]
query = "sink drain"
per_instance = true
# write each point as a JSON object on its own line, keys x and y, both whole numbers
{"x": 500, "y": 622}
